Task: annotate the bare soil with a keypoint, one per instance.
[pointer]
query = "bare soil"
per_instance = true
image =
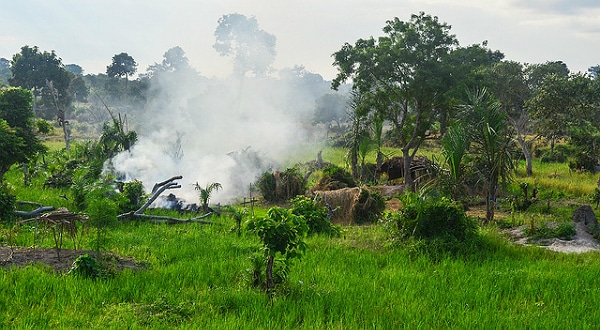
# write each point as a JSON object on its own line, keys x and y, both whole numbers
{"x": 20, "y": 257}
{"x": 581, "y": 242}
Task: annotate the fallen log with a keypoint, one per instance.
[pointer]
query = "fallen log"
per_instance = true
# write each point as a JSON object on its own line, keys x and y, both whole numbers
{"x": 169, "y": 220}
{"x": 33, "y": 213}
{"x": 158, "y": 189}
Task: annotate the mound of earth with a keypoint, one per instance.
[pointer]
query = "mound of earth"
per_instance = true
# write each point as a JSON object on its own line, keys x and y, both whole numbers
{"x": 20, "y": 257}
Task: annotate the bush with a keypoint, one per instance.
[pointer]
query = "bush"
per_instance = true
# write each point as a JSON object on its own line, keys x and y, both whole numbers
{"x": 134, "y": 196}
{"x": 564, "y": 231}
{"x": 432, "y": 219}
{"x": 7, "y": 204}
{"x": 315, "y": 216}
{"x": 87, "y": 266}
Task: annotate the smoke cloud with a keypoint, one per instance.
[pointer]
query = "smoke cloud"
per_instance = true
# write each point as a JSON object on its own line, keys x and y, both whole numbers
{"x": 228, "y": 131}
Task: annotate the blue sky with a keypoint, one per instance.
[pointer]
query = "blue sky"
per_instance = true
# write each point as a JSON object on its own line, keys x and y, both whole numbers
{"x": 90, "y": 32}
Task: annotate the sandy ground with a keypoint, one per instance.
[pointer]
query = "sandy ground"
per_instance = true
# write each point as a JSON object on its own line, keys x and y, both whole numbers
{"x": 581, "y": 242}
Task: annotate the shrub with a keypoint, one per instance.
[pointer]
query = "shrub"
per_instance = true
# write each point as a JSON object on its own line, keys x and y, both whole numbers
{"x": 315, "y": 215}
{"x": 7, "y": 203}
{"x": 87, "y": 266}
{"x": 267, "y": 186}
{"x": 134, "y": 194}
{"x": 432, "y": 219}
{"x": 563, "y": 230}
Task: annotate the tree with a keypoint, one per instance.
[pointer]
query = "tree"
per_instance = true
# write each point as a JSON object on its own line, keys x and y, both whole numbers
{"x": 252, "y": 48}
{"x": 4, "y": 71}
{"x": 490, "y": 143}
{"x": 74, "y": 69}
{"x": 206, "y": 193}
{"x": 331, "y": 108}
{"x": 122, "y": 65}
{"x": 509, "y": 85}
{"x": 174, "y": 60}
{"x": 281, "y": 232}
{"x": 559, "y": 101}
{"x": 18, "y": 141}
{"x": 44, "y": 74}
{"x": 402, "y": 76}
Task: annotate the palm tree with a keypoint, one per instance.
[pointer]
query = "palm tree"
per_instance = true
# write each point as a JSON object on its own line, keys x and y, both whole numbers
{"x": 455, "y": 145}
{"x": 206, "y": 193}
{"x": 488, "y": 132}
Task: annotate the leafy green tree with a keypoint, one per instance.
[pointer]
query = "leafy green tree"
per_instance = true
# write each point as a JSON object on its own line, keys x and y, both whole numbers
{"x": 5, "y": 73}
{"x": 331, "y": 108}
{"x": 123, "y": 65}
{"x": 252, "y": 49}
{"x": 508, "y": 83}
{"x": 18, "y": 141}
{"x": 403, "y": 76}
{"x": 282, "y": 233}
{"x": 560, "y": 101}
{"x": 206, "y": 193}
{"x": 74, "y": 69}
{"x": 491, "y": 143}
{"x": 44, "y": 74}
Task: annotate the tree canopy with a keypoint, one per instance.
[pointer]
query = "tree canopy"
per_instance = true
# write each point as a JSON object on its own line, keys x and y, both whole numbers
{"x": 403, "y": 75}
{"x": 44, "y": 74}
{"x": 17, "y": 137}
{"x": 123, "y": 65}
{"x": 252, "y": 48}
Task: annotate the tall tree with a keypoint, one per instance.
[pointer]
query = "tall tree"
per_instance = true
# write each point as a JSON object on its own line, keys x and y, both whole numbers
{"x": 252, "y": 48}
{"x": 490, "y": 140}
{"x": 404, "y": 75}
{"x": 18, "y": 141}
{"x": 123, "y": 65}
{"x": 33, "y": 70}
{"x": 560, "y": 101}
{"x": 4, "y": 71}
{"x": 508, "y": 83}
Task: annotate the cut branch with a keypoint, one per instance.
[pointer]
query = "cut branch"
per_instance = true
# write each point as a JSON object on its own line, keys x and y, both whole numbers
{"x": 158, "y": 189}
{"x": 30, "y": 214}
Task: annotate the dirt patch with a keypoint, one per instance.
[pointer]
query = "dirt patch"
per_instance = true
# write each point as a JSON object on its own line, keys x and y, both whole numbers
{"x": 21, "y": 257}
{"x": 582, "y": 241}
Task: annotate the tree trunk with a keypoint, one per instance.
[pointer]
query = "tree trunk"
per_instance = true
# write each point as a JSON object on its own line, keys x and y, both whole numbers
{"x": 490, "y": 203}
{"x": 269, "y": 274}
{"x": 408, "y": 179}
{"x": 526, "y": 154}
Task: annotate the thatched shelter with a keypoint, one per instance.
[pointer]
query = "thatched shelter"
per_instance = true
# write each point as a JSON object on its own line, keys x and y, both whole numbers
{"x": 352, "y": 205}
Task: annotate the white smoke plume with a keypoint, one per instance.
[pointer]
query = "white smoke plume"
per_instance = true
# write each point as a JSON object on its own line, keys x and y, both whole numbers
{"x": 227, "y": 131}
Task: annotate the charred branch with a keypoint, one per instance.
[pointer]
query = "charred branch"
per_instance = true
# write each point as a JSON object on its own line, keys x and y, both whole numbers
{"x": 30, "y": 214}
{"x": 158, "y": 189}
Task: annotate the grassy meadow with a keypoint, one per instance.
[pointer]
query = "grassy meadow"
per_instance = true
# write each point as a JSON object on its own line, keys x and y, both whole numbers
{"x": 200, "y": 276}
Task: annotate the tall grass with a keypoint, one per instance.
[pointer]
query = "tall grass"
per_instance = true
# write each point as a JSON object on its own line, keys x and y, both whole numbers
{"x": 198, "y": 277}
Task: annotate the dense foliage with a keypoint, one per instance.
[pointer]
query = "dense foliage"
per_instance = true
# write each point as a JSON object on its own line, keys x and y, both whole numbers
{"x": 18, "y": 141}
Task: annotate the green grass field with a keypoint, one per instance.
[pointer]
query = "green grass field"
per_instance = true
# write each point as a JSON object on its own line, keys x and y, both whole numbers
{"x": 199, "y": 277}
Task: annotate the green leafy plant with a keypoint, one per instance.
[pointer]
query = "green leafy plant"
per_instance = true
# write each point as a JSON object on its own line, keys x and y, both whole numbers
{"x": 563, "y": 230}
{"x": 88, "y": 266}
{"x": 7, "y": 204}
{"x": 134, "y": 194}
{"x": 206, "y": 193}
{"x": 315, "y": 215}
{"x": 433, "y": 218}
{"x": 282, "y": 234}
